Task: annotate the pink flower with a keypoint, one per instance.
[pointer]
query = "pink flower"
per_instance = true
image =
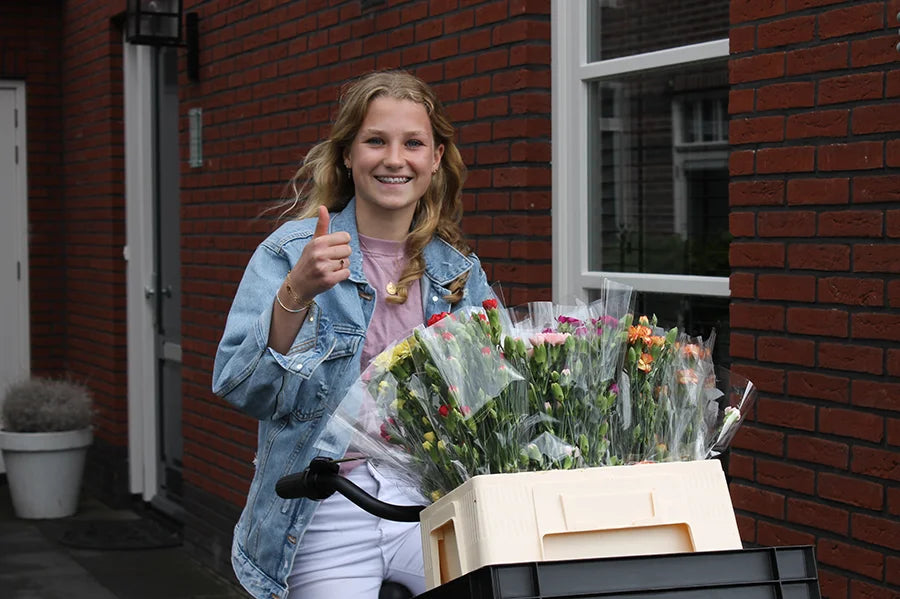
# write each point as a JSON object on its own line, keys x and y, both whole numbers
{"x": 447, "y": 336}
{"x": 556, "y": 338}
{"x": 538, "y": 339}
{"x": 568, "y": 320}
{"x": 485, "y": 351}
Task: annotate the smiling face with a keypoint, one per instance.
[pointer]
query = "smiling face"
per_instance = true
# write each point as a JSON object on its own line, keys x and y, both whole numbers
{"x": 392, "y": 159}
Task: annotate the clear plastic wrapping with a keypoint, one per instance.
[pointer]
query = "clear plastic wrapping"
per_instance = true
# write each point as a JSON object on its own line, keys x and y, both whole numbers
{"x": 542, "y": 386}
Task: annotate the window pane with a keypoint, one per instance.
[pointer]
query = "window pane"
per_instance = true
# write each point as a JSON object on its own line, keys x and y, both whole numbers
{"x": 658, "y": 182}
{"x": 625, "y": 27}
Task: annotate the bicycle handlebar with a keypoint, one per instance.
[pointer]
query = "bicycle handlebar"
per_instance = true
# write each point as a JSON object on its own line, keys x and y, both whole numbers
{"x": 322, "y": 478}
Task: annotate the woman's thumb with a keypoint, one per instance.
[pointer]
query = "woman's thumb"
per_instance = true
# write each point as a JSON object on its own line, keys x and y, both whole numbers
{"x": 324, "y": 221}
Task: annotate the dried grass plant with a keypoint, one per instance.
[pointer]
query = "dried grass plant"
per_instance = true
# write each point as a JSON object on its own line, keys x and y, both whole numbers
{"x": 40, "y": 405}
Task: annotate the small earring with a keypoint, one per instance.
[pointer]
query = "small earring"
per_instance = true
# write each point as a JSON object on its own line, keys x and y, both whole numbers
{"x": 434, "y": 172}
{"x": 349, "y": 170}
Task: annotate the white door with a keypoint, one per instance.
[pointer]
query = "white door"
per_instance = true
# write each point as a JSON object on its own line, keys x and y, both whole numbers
{"x": 140, "y": 278}
{"x": 153, "y": 275}
{"x": 14, "y": 327}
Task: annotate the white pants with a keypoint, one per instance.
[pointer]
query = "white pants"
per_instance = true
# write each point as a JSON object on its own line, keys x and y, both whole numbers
{"x": 348, "y": 552}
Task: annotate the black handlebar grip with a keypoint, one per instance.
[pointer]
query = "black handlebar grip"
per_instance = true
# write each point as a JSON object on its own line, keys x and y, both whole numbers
{"x": 322, "y": 478}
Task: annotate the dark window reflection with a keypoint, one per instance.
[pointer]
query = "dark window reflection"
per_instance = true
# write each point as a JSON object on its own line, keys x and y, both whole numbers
{"x": 658, "y": 182}
{"x": 624, "y": 27}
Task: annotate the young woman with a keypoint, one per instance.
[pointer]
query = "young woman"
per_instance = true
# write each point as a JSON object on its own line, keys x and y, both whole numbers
{"x": 374, "y": 250}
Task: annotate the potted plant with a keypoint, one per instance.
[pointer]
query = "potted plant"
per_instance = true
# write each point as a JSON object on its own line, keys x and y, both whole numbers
{"x": 45, "y": 433}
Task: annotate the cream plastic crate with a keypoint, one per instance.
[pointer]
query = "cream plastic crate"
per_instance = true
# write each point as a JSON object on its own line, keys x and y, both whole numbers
{"x": 571, "y": 514}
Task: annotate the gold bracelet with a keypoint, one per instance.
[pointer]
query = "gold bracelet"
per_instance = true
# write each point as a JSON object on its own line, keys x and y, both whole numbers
{"x": 286, "y": 309}
{"x": 294, "y": 296}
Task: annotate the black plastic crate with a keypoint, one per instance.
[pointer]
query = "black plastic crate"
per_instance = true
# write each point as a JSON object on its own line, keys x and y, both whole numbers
{"x": 765, "y": 573}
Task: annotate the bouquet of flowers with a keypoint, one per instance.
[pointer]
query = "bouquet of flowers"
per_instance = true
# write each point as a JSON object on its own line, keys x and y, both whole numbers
{"x": 541, "y": 387}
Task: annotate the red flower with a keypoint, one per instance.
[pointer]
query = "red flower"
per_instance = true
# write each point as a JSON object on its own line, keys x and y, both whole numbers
{"x": 437, "y": 317}
{"x": 384, "y": 429}
{"x": 444, "y": 411}
{"x": 447, "y": 335}
{"x": 482, "y": 316}
{"x": 489, "y": 304}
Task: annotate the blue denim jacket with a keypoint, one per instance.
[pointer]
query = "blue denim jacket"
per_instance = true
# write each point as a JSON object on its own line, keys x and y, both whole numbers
{"x": 293, "y": 395}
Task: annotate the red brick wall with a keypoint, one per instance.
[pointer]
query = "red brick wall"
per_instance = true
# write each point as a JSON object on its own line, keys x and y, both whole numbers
{"x": 815, "y": 115}
{"x": 92, "y": 206}
{"x": 30, "y": 52}
{"x": 69, "y": 57}
{"x": 270, "y": 75}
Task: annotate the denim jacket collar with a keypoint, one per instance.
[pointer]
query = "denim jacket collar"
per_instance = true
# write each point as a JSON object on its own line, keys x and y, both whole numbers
{"x": 443, "y": 262}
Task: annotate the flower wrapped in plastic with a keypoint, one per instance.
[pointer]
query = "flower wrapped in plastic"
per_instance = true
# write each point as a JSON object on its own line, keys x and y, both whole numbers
{"x": 541, "y": 387}
{"x": 442, "y": 405}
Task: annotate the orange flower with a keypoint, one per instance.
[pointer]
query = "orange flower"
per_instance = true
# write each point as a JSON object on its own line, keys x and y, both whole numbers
{"x": 639, "y": 332}
{"x": 691, "y": 350}
{"x": 687, "y": 376}
{"x": 632, "y": 334}
{"x": 645, "y": 363}
{"x": 657, "y": 341}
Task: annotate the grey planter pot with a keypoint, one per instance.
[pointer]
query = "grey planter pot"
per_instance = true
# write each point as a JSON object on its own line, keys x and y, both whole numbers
{"x": 44, "y": 471}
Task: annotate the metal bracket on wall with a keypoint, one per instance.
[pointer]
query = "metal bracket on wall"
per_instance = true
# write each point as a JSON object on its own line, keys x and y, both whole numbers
{"x": 898, "y": 31}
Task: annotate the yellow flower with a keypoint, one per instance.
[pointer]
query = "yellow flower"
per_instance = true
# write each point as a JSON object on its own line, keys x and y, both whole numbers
{"x": 429, "y": 436}
{"x": 435, "y": 495}
{"x": 383, "y": 360}
{"x": 401, "y": 351}
{"x": 441, "y": 445}
{"x": 426, "y": 445}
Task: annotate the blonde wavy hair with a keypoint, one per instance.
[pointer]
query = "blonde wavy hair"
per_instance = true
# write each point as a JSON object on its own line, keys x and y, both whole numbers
{"x": 323, "y": 180}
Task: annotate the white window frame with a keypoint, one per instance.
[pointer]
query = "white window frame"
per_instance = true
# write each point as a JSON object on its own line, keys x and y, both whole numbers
{"x": 571, "y": 75}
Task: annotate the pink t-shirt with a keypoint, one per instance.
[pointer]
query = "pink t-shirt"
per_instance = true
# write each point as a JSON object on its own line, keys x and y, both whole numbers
{"x": 383, "y": 263}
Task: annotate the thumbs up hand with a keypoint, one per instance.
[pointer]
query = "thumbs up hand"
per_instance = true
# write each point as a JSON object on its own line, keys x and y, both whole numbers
{"x": 324, "y": 262}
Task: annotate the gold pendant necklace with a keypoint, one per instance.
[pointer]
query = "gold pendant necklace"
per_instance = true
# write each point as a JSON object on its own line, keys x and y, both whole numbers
{"x": 390, "y": 287}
